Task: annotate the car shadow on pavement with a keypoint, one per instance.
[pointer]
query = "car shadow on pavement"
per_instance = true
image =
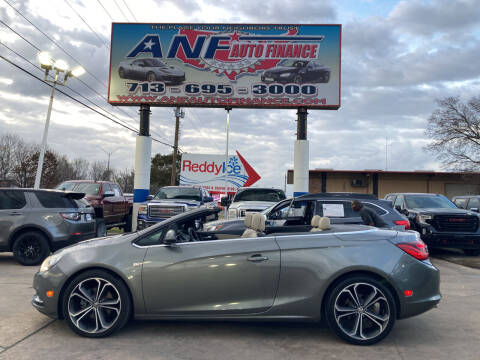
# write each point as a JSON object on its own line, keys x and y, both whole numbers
{"x": 456, "y": 256}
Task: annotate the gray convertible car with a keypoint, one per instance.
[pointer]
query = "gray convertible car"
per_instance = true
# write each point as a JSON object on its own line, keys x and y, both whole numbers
{"x": 360, "y": 279}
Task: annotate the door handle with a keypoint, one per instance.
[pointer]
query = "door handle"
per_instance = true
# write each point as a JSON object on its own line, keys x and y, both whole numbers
{"x": 15, "y": 213}
{"x": 257, "y": 258}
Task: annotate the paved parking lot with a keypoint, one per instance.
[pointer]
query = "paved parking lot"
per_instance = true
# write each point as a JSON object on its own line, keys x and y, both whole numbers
{"x": 451, "y": 331}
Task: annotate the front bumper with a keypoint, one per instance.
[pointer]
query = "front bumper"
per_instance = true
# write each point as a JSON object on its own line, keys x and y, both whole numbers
{"x": 43, "y": 282}
{"x": 451, "y": 240}
{"x": 144, "y": 222}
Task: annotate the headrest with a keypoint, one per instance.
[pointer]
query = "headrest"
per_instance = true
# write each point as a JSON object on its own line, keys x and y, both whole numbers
{"x": 315, "y": 221}
{"x": 324, "y": 223}
{"x": 248, "y": 220}
{"x": 258, "y": 222}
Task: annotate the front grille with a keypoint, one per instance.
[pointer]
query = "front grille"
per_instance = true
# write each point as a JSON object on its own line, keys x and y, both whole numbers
{"x": 455, "y": 223}
{"x": 244, "y": 211}
{"x": 164, "y": 211}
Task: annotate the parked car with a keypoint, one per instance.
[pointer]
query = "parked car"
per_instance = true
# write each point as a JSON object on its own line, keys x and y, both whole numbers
{"x": 360, "y": 279}
{"x": 298, "y": 71}
{"x": 297, "y": 213}
{"x": 35, "y": 222}
{"x": 150, "y": 70}
{"x": 468, "y": 202}
{"x": 173, "y": 200}
{"x": 249, "y": 199}
{"x": 112, "y": 208}
{"x": 439, "y": 221}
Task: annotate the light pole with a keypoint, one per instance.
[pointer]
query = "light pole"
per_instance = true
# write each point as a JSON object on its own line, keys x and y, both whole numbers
{"x": 108, "y": 163}
{"x": 59, "y": 66}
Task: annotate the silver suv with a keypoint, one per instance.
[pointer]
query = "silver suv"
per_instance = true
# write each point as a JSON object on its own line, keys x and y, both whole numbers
{"x": 35, "y": 222}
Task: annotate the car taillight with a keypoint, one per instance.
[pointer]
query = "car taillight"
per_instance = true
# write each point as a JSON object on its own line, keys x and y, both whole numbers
{"x": 71, "y": 216}
{"x": 405, "y": 223}
{"x": 417, "y": 249}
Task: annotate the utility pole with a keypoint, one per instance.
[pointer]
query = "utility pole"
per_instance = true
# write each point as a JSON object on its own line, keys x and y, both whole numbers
{"x": 178, "y": 114}
{"x": 108, "y": 161}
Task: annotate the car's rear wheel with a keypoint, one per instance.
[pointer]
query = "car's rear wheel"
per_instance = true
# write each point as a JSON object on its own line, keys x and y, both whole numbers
{"x": 128, "y": 223}
{"x": 96, "y": 304}
{"x": 471, "y": 252}
{"x": 360, "y": 310}
{"x": 30, "y": 248}
{"x": 151, "y": 77}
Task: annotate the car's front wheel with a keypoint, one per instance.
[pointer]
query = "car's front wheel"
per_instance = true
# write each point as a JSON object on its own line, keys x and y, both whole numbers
{"x": 298, "y": 79}
{"x": 96, "y": 303}
{"x": 151, "y": 77}
{"x": 360, "y": 310}
{"x": 30, "y": 248}
{"x": 121, "y": 73}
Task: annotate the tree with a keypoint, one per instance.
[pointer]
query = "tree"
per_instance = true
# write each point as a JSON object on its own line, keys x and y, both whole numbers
{"x": 8, "y": 145}
{"x": 125, "y": 180}
{"x": 455, "y": 132}
{"x": 161, "y": 171}
{"x": 99, "y": 171}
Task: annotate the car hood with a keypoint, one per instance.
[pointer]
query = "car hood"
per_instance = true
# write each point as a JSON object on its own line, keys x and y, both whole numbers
{"x": 436, "y": 211}
{"x": 251, "y": 205}
{"x": 175, "y": 202}
{"x": 96, "y": 242}
{"x": 170, "y": 70}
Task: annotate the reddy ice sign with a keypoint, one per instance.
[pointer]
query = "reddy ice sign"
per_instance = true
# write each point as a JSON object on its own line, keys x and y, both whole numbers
{"x": 221, "y": 65}
{"x": 208, "y": 171}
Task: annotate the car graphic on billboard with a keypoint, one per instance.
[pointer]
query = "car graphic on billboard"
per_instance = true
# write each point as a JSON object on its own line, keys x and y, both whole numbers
{"x": 299, "y": 72}
{"x": 150, "y": 70}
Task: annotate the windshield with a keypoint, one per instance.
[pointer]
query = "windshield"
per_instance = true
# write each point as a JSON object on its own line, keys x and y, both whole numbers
{"x": 179, "y": 193}
{"x": 295, "y": 63}
{"x": 87, "y": 188}
{"x": 153, "y": 62}
{"x": 260, "y": 195}
{"x": 427, "y": 202}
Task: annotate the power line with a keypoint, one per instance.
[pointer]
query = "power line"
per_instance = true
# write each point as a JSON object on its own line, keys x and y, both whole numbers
{"x": 115, "y": 1}
{"x": 76, "y": 100}
{"x": 130, "y": 10}
{"x": 110, "y": 16}
{"x": 91, "y": 29}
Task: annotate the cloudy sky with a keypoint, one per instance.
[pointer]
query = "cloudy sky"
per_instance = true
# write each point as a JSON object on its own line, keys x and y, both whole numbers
{"x": 398, "y": 57}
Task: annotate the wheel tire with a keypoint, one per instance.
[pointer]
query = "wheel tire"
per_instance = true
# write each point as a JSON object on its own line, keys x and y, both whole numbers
{"x": 341, "y": 321}
{"x": 298, "y": 79}
{"x": 471, "y": 252}
{"x": 151, "y": 77}
{"x": 128, "y": 223}
{"x": 89, "y": 323}
{"x": 101, "y": 228}
{"x": 326, "y": 78}
{"x": 121, "y": 73}
{"x": 31, "y": 248}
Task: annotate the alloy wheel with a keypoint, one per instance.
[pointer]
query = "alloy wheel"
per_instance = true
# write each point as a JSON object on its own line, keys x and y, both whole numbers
{"x": 362, "y": 311}
{"x": 30, "y": 249}
{"x": 94, "y": 305}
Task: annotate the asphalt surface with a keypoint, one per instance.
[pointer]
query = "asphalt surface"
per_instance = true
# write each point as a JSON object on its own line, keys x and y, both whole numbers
{"x": 452, "y": 331}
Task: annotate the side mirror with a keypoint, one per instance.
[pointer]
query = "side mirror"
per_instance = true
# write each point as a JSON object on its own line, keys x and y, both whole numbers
{"x": 398, "y": 208}
{"x": 150, "y": 197}
{"x": 474, "y": 209}
{"x": 108, "y": 194}
{"x": 170, "y": 237}
{"x": 208, "y": 199}
{"x": 225, "y": 201}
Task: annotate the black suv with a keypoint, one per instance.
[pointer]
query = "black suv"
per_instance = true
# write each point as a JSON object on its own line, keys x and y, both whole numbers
{"x": 296, "y": 214}
{"x": 35, "y": 222}
{"x": 439, "y": 222}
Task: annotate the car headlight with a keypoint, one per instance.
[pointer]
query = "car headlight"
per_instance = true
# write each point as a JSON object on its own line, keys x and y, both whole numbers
{"x": 49, "y": 262}
{"x": 285, "y": 75}
{"x": 143, "y": 210}
{"x": 422, "y": 218}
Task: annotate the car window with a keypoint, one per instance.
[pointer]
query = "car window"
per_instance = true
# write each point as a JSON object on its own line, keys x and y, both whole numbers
{"x": 271, "y": 195}
{"x": 66, "y": 186}
{"x": 138, "y": 62}
{"x": 153, "y": 238}
{"x": 178, "y": 193}
{"x": 390, "y": 198}
{"x": 52, "y": 200}
{"x": 474, "y": 203}
{"x": 106, "y": 188}
{"x": 428, "y": 201}
{"x": 399, "y": 202}
{"x": 116, "y": 190}
{"x": 461, "y": 203}
{"x": 280, "y": 212}
{"x": 377, "y": 209}
{"x": 84, "y": 187}
{"x": 335, "y": 209}
{"x": 12, "y": 200}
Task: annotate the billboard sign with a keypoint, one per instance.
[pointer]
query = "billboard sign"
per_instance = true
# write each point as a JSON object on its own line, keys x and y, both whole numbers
{"x": 225, "y": 65}
{"x": 208, "y": 171}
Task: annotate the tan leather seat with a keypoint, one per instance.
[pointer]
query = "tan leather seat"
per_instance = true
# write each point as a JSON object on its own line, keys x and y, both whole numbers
{"x": 315, "y": 222}
{"x": 257, "y": 225}
{"x": 249, "y": 232}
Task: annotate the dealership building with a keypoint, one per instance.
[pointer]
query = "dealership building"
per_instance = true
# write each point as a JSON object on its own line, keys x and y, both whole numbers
{"x": 381, "y": 182}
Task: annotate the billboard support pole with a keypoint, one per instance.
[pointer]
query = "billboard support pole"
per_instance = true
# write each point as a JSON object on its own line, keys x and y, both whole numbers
{"x": 143, "y": 153}
{"x": 300, "y": 155}
{"x": 226, "y": 159}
